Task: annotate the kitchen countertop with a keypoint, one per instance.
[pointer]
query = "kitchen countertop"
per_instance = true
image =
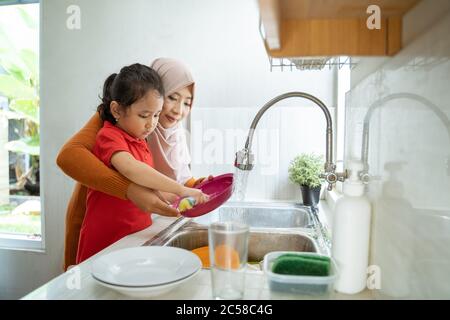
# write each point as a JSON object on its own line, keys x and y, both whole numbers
{"x": 77, "y": 283}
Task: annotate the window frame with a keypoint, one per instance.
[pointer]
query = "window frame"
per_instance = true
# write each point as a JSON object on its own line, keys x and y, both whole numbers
{"x": 17, "y": 241}
{"x": 16, "y": 2}
{"x": 20, "y": 242}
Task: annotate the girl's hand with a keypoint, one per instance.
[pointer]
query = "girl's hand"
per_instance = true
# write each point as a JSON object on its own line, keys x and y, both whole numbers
{"x": 200, "y": 180}
{"x": 150, "y": 201}
{"x": 199, "y": 196}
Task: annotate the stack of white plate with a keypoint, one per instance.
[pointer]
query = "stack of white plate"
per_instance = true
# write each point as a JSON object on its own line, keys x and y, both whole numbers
{"x": 145, "y": 271}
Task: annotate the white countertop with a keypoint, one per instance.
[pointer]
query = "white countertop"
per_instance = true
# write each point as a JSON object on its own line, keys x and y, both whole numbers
{"x": 77, "y": 283}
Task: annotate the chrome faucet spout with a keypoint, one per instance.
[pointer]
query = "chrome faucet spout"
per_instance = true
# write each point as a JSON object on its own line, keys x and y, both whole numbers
{"x": 244, "y": 158}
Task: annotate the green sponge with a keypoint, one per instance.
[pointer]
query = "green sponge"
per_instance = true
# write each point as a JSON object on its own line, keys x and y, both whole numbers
{"x": 186, "y": 204}
{"x": 306, "y": 256}
{"x": 301, "y": 265}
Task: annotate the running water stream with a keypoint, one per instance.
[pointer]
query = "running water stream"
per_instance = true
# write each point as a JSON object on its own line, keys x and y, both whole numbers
{"x": 240, "y": 184}
{"x": 239, "y": 191}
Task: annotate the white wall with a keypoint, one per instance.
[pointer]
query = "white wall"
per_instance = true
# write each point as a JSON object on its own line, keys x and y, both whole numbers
{"x": 409, "y": 155}
{"x": 218, "y": 39}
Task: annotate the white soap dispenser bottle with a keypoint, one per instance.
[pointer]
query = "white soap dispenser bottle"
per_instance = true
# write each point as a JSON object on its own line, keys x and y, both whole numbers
{"x": 351, "y": 233}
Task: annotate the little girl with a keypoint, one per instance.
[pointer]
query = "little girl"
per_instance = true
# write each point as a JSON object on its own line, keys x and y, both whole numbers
{"x": 131, "y": 104}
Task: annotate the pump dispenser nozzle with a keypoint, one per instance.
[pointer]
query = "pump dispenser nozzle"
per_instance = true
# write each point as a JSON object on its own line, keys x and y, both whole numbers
{"x": 353, "y": 186}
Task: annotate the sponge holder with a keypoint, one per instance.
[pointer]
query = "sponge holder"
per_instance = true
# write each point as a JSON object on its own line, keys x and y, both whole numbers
{"x": 301, "y": 285}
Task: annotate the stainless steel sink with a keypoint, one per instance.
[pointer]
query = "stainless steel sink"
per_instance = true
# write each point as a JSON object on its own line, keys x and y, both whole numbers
{"x": 260, "y": 242}
{"x": 273, "y": 227}
{"x": 259, "y": 215}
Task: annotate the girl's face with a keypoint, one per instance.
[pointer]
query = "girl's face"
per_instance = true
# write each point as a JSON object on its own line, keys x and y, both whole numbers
{"x": 176, "y": 107}
{"x": 141, "y": 118}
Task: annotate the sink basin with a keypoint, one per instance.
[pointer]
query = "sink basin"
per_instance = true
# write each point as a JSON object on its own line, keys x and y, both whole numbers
{"x": 260, "y": 242}
{"x": 273, "y": 227}
{"x": 259, "y": 215}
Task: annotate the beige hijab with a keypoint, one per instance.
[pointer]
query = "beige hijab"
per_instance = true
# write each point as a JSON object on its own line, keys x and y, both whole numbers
{"x": 169, "y": 146}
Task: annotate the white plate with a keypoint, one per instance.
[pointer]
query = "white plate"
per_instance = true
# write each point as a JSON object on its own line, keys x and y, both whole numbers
{"x": 145, "y": 266}
{"x": 147, "y": 292}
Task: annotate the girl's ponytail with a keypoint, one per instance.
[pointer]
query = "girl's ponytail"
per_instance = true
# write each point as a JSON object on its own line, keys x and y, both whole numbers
{"x": 128, "y": 86}
{"x": 103, "y": 108}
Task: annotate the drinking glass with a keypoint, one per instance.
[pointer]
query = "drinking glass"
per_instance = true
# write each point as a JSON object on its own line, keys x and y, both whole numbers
{"x": 228, "y": 251}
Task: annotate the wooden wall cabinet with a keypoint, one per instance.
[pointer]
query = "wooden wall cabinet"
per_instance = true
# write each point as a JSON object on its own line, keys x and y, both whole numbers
{"x": 308, "y": 28}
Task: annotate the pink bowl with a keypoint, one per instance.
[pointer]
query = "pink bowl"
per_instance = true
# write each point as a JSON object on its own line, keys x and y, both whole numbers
{"x": 219, "y": 190}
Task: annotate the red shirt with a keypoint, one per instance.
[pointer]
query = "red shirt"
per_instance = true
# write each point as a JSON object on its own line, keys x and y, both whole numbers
{"x": 108, "y": 218}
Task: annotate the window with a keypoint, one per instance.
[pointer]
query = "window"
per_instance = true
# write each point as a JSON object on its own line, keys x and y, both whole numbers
{"x": 20, "y": 206}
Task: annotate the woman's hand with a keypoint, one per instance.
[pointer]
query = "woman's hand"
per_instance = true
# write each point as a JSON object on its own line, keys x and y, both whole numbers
{"x": 167, "y": 196}
{"x": 150, "y": 201}
{"x": 199, "y": 196}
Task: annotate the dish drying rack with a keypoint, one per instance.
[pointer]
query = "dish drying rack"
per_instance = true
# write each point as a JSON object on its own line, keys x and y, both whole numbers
{"x": 310, "y": 63}
{"x": 306, "y": 63}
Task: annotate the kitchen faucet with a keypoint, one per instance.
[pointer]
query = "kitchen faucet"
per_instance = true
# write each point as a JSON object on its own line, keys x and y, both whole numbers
{"x": 245, "y": 159}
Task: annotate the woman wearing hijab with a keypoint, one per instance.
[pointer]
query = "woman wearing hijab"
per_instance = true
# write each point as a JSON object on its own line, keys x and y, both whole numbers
{"x": 167, "y": 144}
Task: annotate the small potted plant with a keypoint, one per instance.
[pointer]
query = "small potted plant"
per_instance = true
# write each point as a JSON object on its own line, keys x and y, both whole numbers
{"x": 305, "y": 170}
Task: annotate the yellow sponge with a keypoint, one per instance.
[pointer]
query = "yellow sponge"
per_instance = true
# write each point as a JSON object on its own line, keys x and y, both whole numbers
{"x": 186, "y": 204}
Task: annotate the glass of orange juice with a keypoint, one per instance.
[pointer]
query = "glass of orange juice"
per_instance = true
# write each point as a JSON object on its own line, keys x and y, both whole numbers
{"x": 228, "y": 251}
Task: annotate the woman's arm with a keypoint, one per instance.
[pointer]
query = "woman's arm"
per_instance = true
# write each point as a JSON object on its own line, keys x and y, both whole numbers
{"x": 144, "y": 175}
{"x": 151, "y": 201}
{"x": 78, "y": 162}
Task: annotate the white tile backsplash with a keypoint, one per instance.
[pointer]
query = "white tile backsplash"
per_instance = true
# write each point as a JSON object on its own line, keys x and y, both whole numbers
{"x": 282, "y": 133}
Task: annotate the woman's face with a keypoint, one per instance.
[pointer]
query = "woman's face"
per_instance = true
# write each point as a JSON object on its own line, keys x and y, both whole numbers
{"x": 176, "y": 107}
